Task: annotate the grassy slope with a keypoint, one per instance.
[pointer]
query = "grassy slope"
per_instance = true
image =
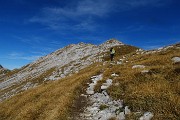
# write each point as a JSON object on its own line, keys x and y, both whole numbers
{"x": 157, "y": 91}
{"x": 49, "y": 101}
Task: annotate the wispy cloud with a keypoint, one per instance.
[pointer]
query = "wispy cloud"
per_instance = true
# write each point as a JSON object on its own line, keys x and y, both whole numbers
{"x": 78, "y": 17}
{"x": 151, "y": 47}
{"x": 82, "y": 15}
{"x": 133, "y": 28}
{"x": 30, "y": 39}
{"x": 39, "y": 44}
{"x": 21, "y": 56}
{"x": 124, "y": 5}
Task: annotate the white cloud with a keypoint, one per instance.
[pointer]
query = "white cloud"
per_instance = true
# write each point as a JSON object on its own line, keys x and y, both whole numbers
{"x": 133, "y": 28}
{"x": 123, "y": 5}
{"x": 151, "y": 47}
{"x": 82, "y": 15}
{"x": 21, "y": 56}
{"x": 77, "y": 17}
{"x": 31, "y": 40}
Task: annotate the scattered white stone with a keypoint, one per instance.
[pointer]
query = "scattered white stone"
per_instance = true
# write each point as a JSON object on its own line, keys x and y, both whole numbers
{"x": 63, "y": 76}
{"x": 114, "y": 75}
{"x": 93, "y": 111}
{"x": 147, "y": 116}
{"x": 103, "y": 87}
{"x": 121, "y": 116}
{"x": 90, "y": 89}
{"x": 112, "y": 109}
{"x": 119, "y": 62}
{"x": 83, "y": 95}
{"x": 138, "y": 66}
{"x": 112, "y": 63}
{"x": 121, "y": 59}
{"x": 127, "y": 110}
{"x": 139, "y": 50}
{"x": 145, "y": 71}
{"x": 107, "y": 84}
{"x": 176, "y": 59}
{"x": 116, "y": 84}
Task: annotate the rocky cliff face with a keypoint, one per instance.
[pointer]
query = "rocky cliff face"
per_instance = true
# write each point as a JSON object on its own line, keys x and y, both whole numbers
{"x": 54, "y": 66}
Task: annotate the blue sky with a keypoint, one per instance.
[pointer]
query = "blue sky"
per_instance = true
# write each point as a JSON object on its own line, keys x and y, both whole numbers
{"x": 33, "y": 28}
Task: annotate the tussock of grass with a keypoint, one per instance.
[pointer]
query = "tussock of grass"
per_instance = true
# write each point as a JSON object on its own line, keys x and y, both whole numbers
{"x": 113, "y": 118}
{"x": 49, "y": 101}
{"x": 103, "y": 106}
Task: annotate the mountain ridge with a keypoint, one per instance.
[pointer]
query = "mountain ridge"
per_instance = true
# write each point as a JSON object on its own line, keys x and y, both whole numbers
{"x": 54, "y": 66}
{"x": 138, "y": 84}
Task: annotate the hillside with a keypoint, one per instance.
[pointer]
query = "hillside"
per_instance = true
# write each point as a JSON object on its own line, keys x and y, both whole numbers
{"x": 137, "y": 81}
{"x": 57, "y": 65}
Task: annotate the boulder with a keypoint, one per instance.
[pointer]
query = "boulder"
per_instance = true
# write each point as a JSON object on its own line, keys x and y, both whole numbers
{"x": 176, "y": 59}
{"x": 146, "y": 116}
{"x": 138, "y": 66}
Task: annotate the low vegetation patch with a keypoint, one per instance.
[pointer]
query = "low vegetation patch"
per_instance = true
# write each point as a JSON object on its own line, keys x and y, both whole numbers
{"x": 103, "y": 106}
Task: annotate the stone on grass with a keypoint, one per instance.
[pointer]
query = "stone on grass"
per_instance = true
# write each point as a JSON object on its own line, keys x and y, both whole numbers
{"x": 119, "y": 62}
{"x": 90, "y": 89}
{"x": 116, "y": 84}
{"x": 138, "y": 66}
{"x": 114, "y": 75}
{"x": 107, "y": 84}
{"x": 146, "y": 116}
{"x": 145, "y": 71}
{"x": 127, "y": 110}
{"x": 121, "y": 116}
{"x": 176, "y": 59}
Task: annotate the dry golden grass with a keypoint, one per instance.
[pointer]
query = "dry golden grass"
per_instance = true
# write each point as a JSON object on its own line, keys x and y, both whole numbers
{"x": 157, "y": 91}
{"x": 49, "y": 101}
{"x": 18, "y": 87}
{"x": 120, "y": 51}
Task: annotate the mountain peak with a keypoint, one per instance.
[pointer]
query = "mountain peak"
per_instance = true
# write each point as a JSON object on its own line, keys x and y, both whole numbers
{"x": 111, "y": 43}
{"x": 113, "y": 40}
